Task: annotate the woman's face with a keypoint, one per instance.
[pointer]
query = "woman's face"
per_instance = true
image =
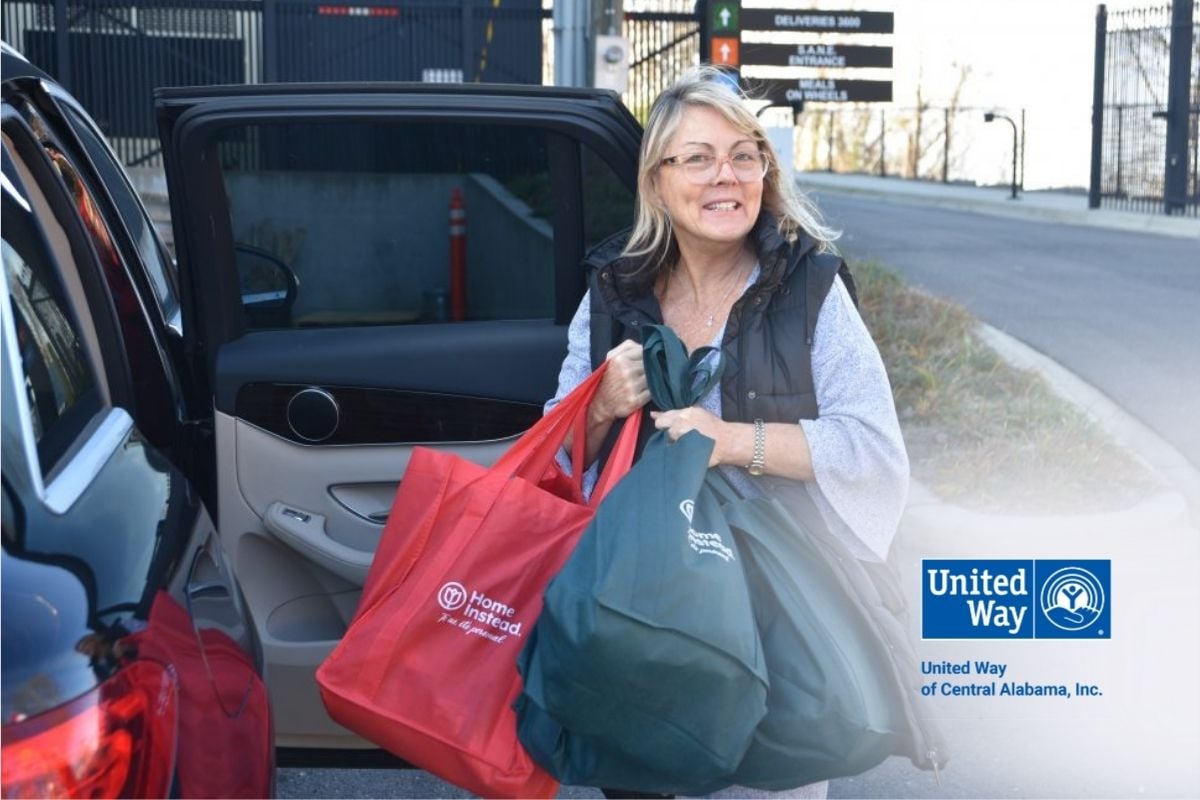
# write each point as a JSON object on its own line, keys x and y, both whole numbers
{"x": 723, "y": 209}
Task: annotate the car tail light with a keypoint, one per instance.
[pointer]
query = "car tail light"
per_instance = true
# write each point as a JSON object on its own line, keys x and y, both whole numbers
{"x": 116, "y": 741}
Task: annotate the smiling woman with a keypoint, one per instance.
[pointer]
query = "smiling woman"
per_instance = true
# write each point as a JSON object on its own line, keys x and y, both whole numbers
{"x": 727, "y": 253}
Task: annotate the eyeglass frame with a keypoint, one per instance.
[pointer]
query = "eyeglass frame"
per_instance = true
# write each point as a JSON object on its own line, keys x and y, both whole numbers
{"x": 674, "y": 161}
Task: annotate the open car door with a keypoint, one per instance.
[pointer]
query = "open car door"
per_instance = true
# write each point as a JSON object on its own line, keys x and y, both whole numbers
{"x": 324, "y": 313}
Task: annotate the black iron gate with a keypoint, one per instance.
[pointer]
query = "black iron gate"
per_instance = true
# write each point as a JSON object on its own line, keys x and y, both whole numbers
{"x": 1138, "y": 162}
{"x": 662, "y": 45}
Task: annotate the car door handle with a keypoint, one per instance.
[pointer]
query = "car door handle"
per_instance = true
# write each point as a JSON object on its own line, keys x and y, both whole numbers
{"x": 304, "y": 532}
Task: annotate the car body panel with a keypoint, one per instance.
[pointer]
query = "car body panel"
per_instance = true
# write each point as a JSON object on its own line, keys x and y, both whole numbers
{"x": 111, "y": 561}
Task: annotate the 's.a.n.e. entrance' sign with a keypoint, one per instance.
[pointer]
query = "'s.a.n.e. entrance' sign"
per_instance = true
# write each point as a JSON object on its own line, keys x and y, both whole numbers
{"x": 835, "y": 56}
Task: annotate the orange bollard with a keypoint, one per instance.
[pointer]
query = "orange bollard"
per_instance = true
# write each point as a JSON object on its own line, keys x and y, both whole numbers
{"x": 458, "y": 256}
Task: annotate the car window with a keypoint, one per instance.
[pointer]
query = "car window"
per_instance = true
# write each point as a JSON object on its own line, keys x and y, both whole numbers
{"x": 154, "y": 400}
{"x": 158, "y": 269}
{"x": 607, "y": 202}
{"x": 60, "y": 385}
{"x": 350, "y": 223}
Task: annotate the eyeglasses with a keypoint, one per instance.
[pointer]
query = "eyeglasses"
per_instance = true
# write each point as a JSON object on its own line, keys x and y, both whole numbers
{"x": 747, "y": 165}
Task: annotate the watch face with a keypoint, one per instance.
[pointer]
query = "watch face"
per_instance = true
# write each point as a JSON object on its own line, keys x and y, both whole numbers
{"x": 754, "y": 469}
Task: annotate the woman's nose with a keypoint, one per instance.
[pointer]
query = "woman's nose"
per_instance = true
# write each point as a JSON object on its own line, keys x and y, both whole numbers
{"x": 725, "y": 173}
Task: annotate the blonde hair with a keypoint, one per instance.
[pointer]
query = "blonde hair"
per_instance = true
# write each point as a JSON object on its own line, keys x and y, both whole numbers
{"x": 706, "y": 86}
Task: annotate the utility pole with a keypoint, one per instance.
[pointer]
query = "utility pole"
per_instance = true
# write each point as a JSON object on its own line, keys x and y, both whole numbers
{"x": 1178, "y": 102}
{"x": 570, "y": 43}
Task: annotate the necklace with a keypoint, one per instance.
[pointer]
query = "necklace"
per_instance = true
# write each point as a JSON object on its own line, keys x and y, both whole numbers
{"x": 712, "y": 316}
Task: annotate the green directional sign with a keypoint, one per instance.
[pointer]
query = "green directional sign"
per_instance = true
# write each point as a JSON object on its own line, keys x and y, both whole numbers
{"x": 725, "y": 16}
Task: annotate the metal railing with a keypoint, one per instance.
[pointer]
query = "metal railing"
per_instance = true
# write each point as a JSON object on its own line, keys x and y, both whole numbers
{"x": 933, "y": 143}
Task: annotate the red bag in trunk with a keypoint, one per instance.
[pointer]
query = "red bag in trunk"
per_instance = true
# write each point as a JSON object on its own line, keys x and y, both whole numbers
{"x": 427, "y": 668}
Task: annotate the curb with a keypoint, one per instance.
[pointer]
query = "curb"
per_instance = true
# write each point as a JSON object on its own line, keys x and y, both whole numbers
{"x": 1128, "y": 432}
{"x": 934, "y": 521}
{"x": 1110, "y": 220}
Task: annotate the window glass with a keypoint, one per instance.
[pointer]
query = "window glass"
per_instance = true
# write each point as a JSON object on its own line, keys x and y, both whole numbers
{"x": 350, "y": 223}
{"x": 607, "y": 202}
{"x": 158, "y": 269}
{"x": 61, "y": 388}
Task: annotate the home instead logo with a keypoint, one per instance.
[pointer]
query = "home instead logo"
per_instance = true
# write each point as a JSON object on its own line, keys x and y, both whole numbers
{"x": 1015, "y": 599}
{"x": 704, "y": 543}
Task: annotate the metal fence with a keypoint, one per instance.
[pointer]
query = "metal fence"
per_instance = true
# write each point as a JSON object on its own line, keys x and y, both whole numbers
{"x": 1130, "y": 162}
{"x": 662, "y": 45}
{"x": 112, "y": 54}
{"x": 929, "y": 143}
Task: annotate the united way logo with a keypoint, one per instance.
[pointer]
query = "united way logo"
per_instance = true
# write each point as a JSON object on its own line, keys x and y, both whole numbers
{"x": 1015, "y": 599}
{"x": 452, "y": 596}
{"x": 1073, "y": 599}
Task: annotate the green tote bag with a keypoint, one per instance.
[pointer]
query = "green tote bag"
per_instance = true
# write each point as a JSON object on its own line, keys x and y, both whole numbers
{"x": 644, "y": 671}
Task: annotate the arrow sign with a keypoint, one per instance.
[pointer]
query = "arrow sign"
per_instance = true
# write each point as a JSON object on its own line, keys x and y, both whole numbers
{"x": 819, "y": 90}
{"x": 725, "y": 16}
{"x": 838, "y": 56}
{"x": 779, "y": 19}
{"x": 725, "y": 51}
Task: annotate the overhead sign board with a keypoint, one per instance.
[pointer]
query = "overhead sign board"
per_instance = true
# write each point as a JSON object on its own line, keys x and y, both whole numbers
{"x": 819, "y": 90}
{"x": 778, "y": 19}
{"x": 816, "y": 55}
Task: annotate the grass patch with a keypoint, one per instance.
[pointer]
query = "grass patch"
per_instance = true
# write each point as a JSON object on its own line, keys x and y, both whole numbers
{"x": 979, "y": 432}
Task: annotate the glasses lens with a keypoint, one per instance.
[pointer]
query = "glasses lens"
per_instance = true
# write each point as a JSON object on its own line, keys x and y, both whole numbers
{"x": 747, "y": 165}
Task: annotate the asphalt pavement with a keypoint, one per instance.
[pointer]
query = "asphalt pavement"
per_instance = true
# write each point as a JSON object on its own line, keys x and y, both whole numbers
{"x": 1120, "y": 309}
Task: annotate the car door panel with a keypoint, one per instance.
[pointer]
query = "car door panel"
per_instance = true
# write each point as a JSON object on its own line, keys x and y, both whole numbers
{"x": 300, "y": 513}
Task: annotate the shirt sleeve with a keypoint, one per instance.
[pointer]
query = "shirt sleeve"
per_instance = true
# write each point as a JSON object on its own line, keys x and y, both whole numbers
{"x": 576, "y": 367}
{"x": 858, "y": 457}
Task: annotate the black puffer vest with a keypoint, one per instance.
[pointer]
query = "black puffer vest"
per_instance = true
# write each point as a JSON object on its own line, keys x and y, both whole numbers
{"x": 768, "y": 340}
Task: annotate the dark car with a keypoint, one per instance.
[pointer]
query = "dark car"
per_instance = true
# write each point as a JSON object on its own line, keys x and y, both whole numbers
{"x": 323, "y": 318}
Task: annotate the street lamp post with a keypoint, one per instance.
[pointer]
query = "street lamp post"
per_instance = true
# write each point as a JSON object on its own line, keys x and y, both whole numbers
{"x": 992, "y": 115}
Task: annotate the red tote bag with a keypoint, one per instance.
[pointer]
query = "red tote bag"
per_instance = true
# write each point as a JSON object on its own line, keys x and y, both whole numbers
{"x": 427, "y": 668}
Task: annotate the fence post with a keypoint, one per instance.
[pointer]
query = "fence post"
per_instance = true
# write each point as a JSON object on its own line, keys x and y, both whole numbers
{"x": 467, "y": 60}
{"x": 1179, "y": 80}
{"x": 1098, "y": 108}
{"x": 62, "y": 43}
{"x": 830, "y": 157}
{"x": 946, "y": 145}
{"x": 882, "y": 143}
{"x": 270, "y": 41}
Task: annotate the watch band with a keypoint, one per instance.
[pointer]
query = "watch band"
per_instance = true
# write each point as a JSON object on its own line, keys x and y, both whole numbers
{"x": 758, "y": 462}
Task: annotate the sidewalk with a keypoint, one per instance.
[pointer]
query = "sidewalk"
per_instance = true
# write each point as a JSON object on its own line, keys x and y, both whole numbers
{"x": 1044, "y": 206}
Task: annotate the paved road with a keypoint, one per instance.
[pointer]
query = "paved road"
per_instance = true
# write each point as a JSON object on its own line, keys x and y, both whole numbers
{"x": 1119, "y": 309}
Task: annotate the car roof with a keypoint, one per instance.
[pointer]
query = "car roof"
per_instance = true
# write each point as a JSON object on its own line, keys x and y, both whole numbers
{"x": 14, "y": 65}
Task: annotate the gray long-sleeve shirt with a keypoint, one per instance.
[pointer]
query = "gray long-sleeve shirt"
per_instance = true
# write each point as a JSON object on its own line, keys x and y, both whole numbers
{"x": 858, "y": 456}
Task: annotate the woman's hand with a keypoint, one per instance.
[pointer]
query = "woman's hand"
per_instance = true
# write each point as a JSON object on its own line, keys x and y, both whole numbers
{"x": 623, "y": 389}
{"x": 677, "y": 423}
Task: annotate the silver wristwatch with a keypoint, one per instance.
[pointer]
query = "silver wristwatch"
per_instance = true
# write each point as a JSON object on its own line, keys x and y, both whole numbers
{"x": 758, "y": 463}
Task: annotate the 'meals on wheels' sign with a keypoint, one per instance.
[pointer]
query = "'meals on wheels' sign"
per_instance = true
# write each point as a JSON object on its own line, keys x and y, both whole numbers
{"x": 819, "y": 90}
